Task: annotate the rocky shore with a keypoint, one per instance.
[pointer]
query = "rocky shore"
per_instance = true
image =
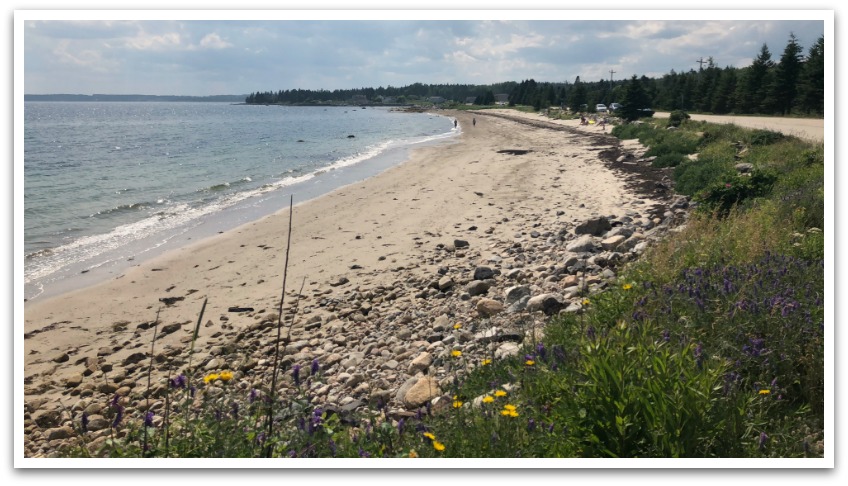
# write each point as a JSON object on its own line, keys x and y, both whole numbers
{"x": 392, "y": 327}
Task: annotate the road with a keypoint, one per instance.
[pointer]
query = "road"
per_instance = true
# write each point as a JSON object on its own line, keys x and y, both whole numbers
{"x": 808, "y": 128}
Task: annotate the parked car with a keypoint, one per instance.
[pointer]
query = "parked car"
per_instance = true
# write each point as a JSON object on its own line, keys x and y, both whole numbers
{"x": 601, "y": 108}
{"x": 614, "y": 106}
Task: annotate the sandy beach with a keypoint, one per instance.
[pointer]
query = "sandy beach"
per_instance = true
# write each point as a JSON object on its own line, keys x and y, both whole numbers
{"x": 363, "y": 253}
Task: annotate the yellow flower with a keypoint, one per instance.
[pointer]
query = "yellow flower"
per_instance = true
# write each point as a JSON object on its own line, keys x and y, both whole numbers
{"x": 210, "y": 378}
{"x": 509, "y": 413}
{"x": 412, "y": 453}
{"x": 500, "y": 393}
{"x": 509, "y": 407}
{"x": 438, "y": 446}
{"x": 627, "y": 287}
{"x": 458, "y": 325}
{"x": 456, "y": 353}
{"x": 765, "y": 392}
{"x": 586, "y": 302}
{"x": 457, "y": 404}
{"x": 429, "y": 436}
{"x": 488, "y": 399}
{"x": 529, "y": 362}
{"x": 226, "y": 375}
{"x": 486, "y": 362}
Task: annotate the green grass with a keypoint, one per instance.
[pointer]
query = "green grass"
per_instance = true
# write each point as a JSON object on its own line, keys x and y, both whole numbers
{"x": 710, "y": 345}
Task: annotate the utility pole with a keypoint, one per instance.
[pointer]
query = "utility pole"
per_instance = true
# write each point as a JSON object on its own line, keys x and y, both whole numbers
{"x": 701, "y": 63}
{"x": 611, "y": 73}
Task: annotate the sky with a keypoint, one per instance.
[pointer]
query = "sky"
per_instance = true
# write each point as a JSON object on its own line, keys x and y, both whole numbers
{"x": 213, "y": 53}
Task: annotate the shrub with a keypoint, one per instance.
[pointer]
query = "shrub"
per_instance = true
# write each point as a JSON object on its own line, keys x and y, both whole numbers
{"x": 766, "y": 137}
{"x": 672, "y": 159}
{"x": 692, "y": 177}
{"x": 673, "y": 142}
{"x": 676, "y": 117}
{"x": 721, "y": 196}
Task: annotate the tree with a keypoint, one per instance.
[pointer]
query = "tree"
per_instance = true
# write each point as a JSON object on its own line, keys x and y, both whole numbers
{"x": 750, "y": 96}
{"x": 784, "y": 87}
{"x": 723, "y": 100}
{"x": 635, "y": 99}
{"x": 579, "y": 96}
{"x": 811, "y": 84}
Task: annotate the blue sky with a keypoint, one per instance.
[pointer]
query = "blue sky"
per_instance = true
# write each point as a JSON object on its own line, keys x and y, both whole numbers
{"x": 210, "y": 53}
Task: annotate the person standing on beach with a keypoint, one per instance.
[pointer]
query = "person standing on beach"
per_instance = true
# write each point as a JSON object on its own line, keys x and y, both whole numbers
{"x": 474, "y": 122}
{"x": 454, "y": 122}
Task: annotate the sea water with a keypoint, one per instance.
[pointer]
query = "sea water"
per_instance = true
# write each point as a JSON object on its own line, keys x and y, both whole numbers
{"x": 108, "y": 184}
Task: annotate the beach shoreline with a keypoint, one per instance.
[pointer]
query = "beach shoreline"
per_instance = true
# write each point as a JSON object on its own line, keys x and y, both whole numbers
{"x": 367, "y": 257}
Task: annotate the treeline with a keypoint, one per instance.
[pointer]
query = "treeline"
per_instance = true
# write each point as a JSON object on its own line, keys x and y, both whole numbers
{"x": 400, "y": 95}
{"x": 794, "y": 83}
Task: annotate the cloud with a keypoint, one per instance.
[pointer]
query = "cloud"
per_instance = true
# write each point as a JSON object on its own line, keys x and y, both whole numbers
{"x": 214, "y": 41}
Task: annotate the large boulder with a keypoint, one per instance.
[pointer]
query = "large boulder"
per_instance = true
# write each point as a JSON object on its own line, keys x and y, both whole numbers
{"x": 595, "y": 226}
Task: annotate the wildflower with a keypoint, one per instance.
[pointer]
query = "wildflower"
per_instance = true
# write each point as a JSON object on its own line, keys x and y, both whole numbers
{"x": 429, "y": 435}
{"x": 458, "y": 325}
{"x": 509, "y": 412}
{"x": 486, "y": 362}
{"x": 765, "y": 392}
{"x": 488, "y": 399}
{"x": 438, "y": 446}
{"x": 529, "y": 362}
{"x": 763, "y": 439}
{"x": 254, "y": 394}
{"x": 296, "y": 374}
{"x": 119, "y": 415}
{"x": 457, "y": 404}
{"x": 178, "y": 381}
{"x": 500, "y": 393}
{"x": 626, "y": 286}
{"x": 84, "y": 422}
{"x": 509, "y": 407}
{"x": 400, "y": 425}
{"x": 590, "y": 332}
{"x": 225, "y": 376}
{"x": 586, "y": 302}
{"x": 315, "y": 367}
{"x": 148, "y": 419}
{"x": 210, "y": 378}
{"x": 531, "y": 425}
{"x": 412, "y": 453}
{"x": 456, "y": 353}
{"x": 728, "y": 185}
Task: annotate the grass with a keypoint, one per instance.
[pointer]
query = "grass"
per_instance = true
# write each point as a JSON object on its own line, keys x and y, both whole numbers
{"x": 710, "y": 345}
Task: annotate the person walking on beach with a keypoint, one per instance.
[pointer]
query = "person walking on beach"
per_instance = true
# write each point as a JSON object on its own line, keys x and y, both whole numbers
{"x": 474, "y": 122}
{"x": 454, "y": 122}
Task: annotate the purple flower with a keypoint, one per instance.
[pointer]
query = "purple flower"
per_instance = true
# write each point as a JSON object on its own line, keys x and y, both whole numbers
{"x": 296, "y": 374}
{"x": 315, "y": 367}
{"x": 254, "y": 394}
{"x": 531, "y": 425}
{"x": 590, "y": 333}
{"x": 666, "y": 335}
{"x": 763, "y": 439}
{"x": 84, "y": 422}
{"x": 179, "y": 381}
{"x": 292, "y": 453}
{"x": 400, "y": 425}
{"x": 332, "y": 445}
{"x": 148, "y": 419}
{"x": 119, "y": 415}
{"x": 541, "y": 351}
{"x": 363, "y": 453}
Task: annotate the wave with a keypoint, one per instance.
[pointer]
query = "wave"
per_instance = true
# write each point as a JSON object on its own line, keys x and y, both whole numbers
{"x": 123, "y": 208}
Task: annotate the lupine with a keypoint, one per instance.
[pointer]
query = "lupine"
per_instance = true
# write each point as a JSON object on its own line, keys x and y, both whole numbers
{"x": 148, "y": 419}
{"x": 763, "y": 439}
{"x": 296, "y": 374}
{"x": 84, "y": 422}
{"x": 315, "y": 367}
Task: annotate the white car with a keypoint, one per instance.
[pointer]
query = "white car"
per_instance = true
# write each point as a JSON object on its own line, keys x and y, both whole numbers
{"x": 601, "y": 108}
{"x": 614, "y": 106}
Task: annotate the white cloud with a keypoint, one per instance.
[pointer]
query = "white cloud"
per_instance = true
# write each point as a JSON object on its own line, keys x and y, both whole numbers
{"x": 214, "y": 41}
{"x": 144, "y": 42}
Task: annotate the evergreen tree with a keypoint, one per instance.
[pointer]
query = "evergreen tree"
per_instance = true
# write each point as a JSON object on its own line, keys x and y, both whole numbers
{"x": 635, "y": 99}
{"x": 784, "y": 88}
{"x": 579, "y": 96}
{"x": 750, "y": 94}
{"x": 723, "y": 101}
{"x": 811, "y": 84}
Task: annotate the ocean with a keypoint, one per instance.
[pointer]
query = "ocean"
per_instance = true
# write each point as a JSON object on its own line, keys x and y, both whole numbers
{"x": 109, "y": 184}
